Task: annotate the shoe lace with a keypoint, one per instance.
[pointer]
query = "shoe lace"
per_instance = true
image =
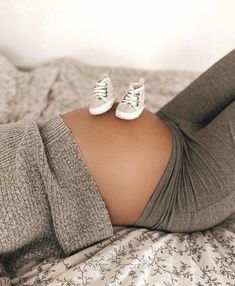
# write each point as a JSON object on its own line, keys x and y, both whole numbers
{"x": 132, "y": 98}
{"x": 100, "y": 90}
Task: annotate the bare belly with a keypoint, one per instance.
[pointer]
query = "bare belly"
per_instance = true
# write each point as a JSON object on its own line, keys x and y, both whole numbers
{"x": 125, "y": 158}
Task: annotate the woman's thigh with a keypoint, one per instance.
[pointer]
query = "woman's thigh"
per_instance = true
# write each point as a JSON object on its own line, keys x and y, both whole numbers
{"x": 126, "y": 158}
{"x": 212, "y": 165}
{"x": 206, "y": 96}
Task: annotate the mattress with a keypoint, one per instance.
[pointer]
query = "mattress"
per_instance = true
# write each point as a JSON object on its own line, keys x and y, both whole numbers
{"x": 132, "y": 256}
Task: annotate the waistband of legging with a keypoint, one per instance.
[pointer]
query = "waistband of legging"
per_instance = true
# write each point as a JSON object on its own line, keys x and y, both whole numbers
{"x": 154, "y": 211}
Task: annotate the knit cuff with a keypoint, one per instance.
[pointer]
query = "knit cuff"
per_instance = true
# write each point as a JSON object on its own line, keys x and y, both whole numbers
{"x": 79, "y": 214}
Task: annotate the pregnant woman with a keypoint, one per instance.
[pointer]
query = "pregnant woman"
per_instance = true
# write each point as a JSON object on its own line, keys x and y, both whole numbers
{"x": 66, "y": 182}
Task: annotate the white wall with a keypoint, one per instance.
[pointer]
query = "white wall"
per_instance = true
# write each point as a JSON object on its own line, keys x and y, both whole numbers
{"x": 167, "y": 34}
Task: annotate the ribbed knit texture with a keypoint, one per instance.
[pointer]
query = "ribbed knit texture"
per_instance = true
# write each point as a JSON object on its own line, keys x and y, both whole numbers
{"x": 197, "y": 189}
{"x": 50, "y": 204}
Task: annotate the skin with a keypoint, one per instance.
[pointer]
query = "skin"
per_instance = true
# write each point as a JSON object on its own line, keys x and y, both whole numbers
{"x": 126, "y": 158}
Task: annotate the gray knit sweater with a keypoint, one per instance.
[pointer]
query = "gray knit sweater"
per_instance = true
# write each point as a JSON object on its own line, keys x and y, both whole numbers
{"x": 49, "y": 201}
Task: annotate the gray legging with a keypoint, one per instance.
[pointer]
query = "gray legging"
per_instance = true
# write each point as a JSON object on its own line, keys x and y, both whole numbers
{"x": 197, "y": 189}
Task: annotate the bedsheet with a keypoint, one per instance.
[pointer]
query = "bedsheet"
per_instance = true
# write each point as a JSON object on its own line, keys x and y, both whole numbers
{"x": 133, "y": 256}
{"x": 141, "y": 257}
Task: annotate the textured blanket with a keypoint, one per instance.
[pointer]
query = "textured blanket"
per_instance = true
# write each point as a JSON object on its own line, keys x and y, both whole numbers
{"x": 132, "y": 256}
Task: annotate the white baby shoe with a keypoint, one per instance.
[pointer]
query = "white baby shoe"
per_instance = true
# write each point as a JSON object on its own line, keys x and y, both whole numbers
{"x": 102, "y": 98}
{"x": 133, "y": 103}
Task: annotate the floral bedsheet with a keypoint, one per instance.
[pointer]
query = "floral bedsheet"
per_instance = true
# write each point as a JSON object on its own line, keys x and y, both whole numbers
{"x": 137, "y": 256}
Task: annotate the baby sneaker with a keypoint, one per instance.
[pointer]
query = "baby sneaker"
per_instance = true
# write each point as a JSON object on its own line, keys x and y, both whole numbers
{"x": 132, "y": 104}
{"x": 102, "y": 98}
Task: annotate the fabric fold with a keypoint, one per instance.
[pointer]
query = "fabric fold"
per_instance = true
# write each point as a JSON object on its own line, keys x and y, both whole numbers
{"x": 50, "y": 204}
{"x": 79, "y": 214}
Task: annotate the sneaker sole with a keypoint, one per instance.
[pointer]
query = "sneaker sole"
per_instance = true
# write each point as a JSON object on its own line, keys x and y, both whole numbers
{"x": 103, "y": 108}
{"x": 129, "y": 116}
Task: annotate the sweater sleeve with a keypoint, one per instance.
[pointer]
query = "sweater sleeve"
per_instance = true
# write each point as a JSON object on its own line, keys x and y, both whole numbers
{"x": 46, "y": 192}
{"x": 80, "y": 216}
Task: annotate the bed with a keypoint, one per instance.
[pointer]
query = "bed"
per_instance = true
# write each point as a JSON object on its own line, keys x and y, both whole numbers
{"x": 132, "y": 256}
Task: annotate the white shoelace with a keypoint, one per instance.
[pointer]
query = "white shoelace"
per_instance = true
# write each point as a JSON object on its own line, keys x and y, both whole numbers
{"x": 100, "y": 90}
{"x": 132, "y": 97}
